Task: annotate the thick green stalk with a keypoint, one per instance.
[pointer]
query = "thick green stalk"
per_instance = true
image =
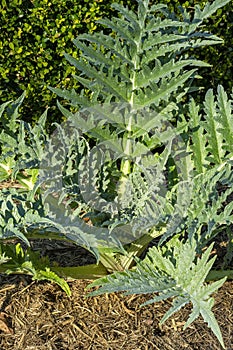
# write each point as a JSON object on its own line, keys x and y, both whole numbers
{"x": 120, "y": 262}
{"x": 215, "y": 275}
{"x": 137, "y": 247}
{"x": 89, "y": 272}
{"x": 126, "y": 163}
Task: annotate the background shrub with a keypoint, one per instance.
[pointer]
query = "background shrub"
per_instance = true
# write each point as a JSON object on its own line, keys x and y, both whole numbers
{"x": 33, "y": 38}
{"x": 35, "y": 34}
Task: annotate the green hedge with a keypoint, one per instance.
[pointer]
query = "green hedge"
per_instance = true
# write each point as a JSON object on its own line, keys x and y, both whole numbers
{"x": 33, "y": 38}
{"x": 35, "y": 34}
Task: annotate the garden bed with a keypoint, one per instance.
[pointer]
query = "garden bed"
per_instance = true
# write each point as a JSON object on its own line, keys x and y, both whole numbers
{"x": 39, "y": 315}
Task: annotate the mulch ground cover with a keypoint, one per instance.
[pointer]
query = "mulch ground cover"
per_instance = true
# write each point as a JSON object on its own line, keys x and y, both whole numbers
{"x": 40, "y": 316}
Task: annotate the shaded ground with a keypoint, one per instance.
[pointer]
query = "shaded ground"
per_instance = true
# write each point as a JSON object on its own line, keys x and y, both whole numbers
{"x": 40, "y": 316}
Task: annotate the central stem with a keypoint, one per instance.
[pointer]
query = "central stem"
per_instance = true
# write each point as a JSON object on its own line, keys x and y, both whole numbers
{"x": 126, "y": 162}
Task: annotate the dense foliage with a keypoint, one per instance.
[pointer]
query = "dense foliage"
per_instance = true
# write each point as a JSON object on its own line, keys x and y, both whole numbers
{"x": 35, "y": 34}
{"x": 33, "y": 38}
{"x": 136, "y": 159}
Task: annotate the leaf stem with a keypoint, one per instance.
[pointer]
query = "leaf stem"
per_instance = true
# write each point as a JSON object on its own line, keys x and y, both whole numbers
{"x": 92, "y": 271}
{"x": 215, "y": 275}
